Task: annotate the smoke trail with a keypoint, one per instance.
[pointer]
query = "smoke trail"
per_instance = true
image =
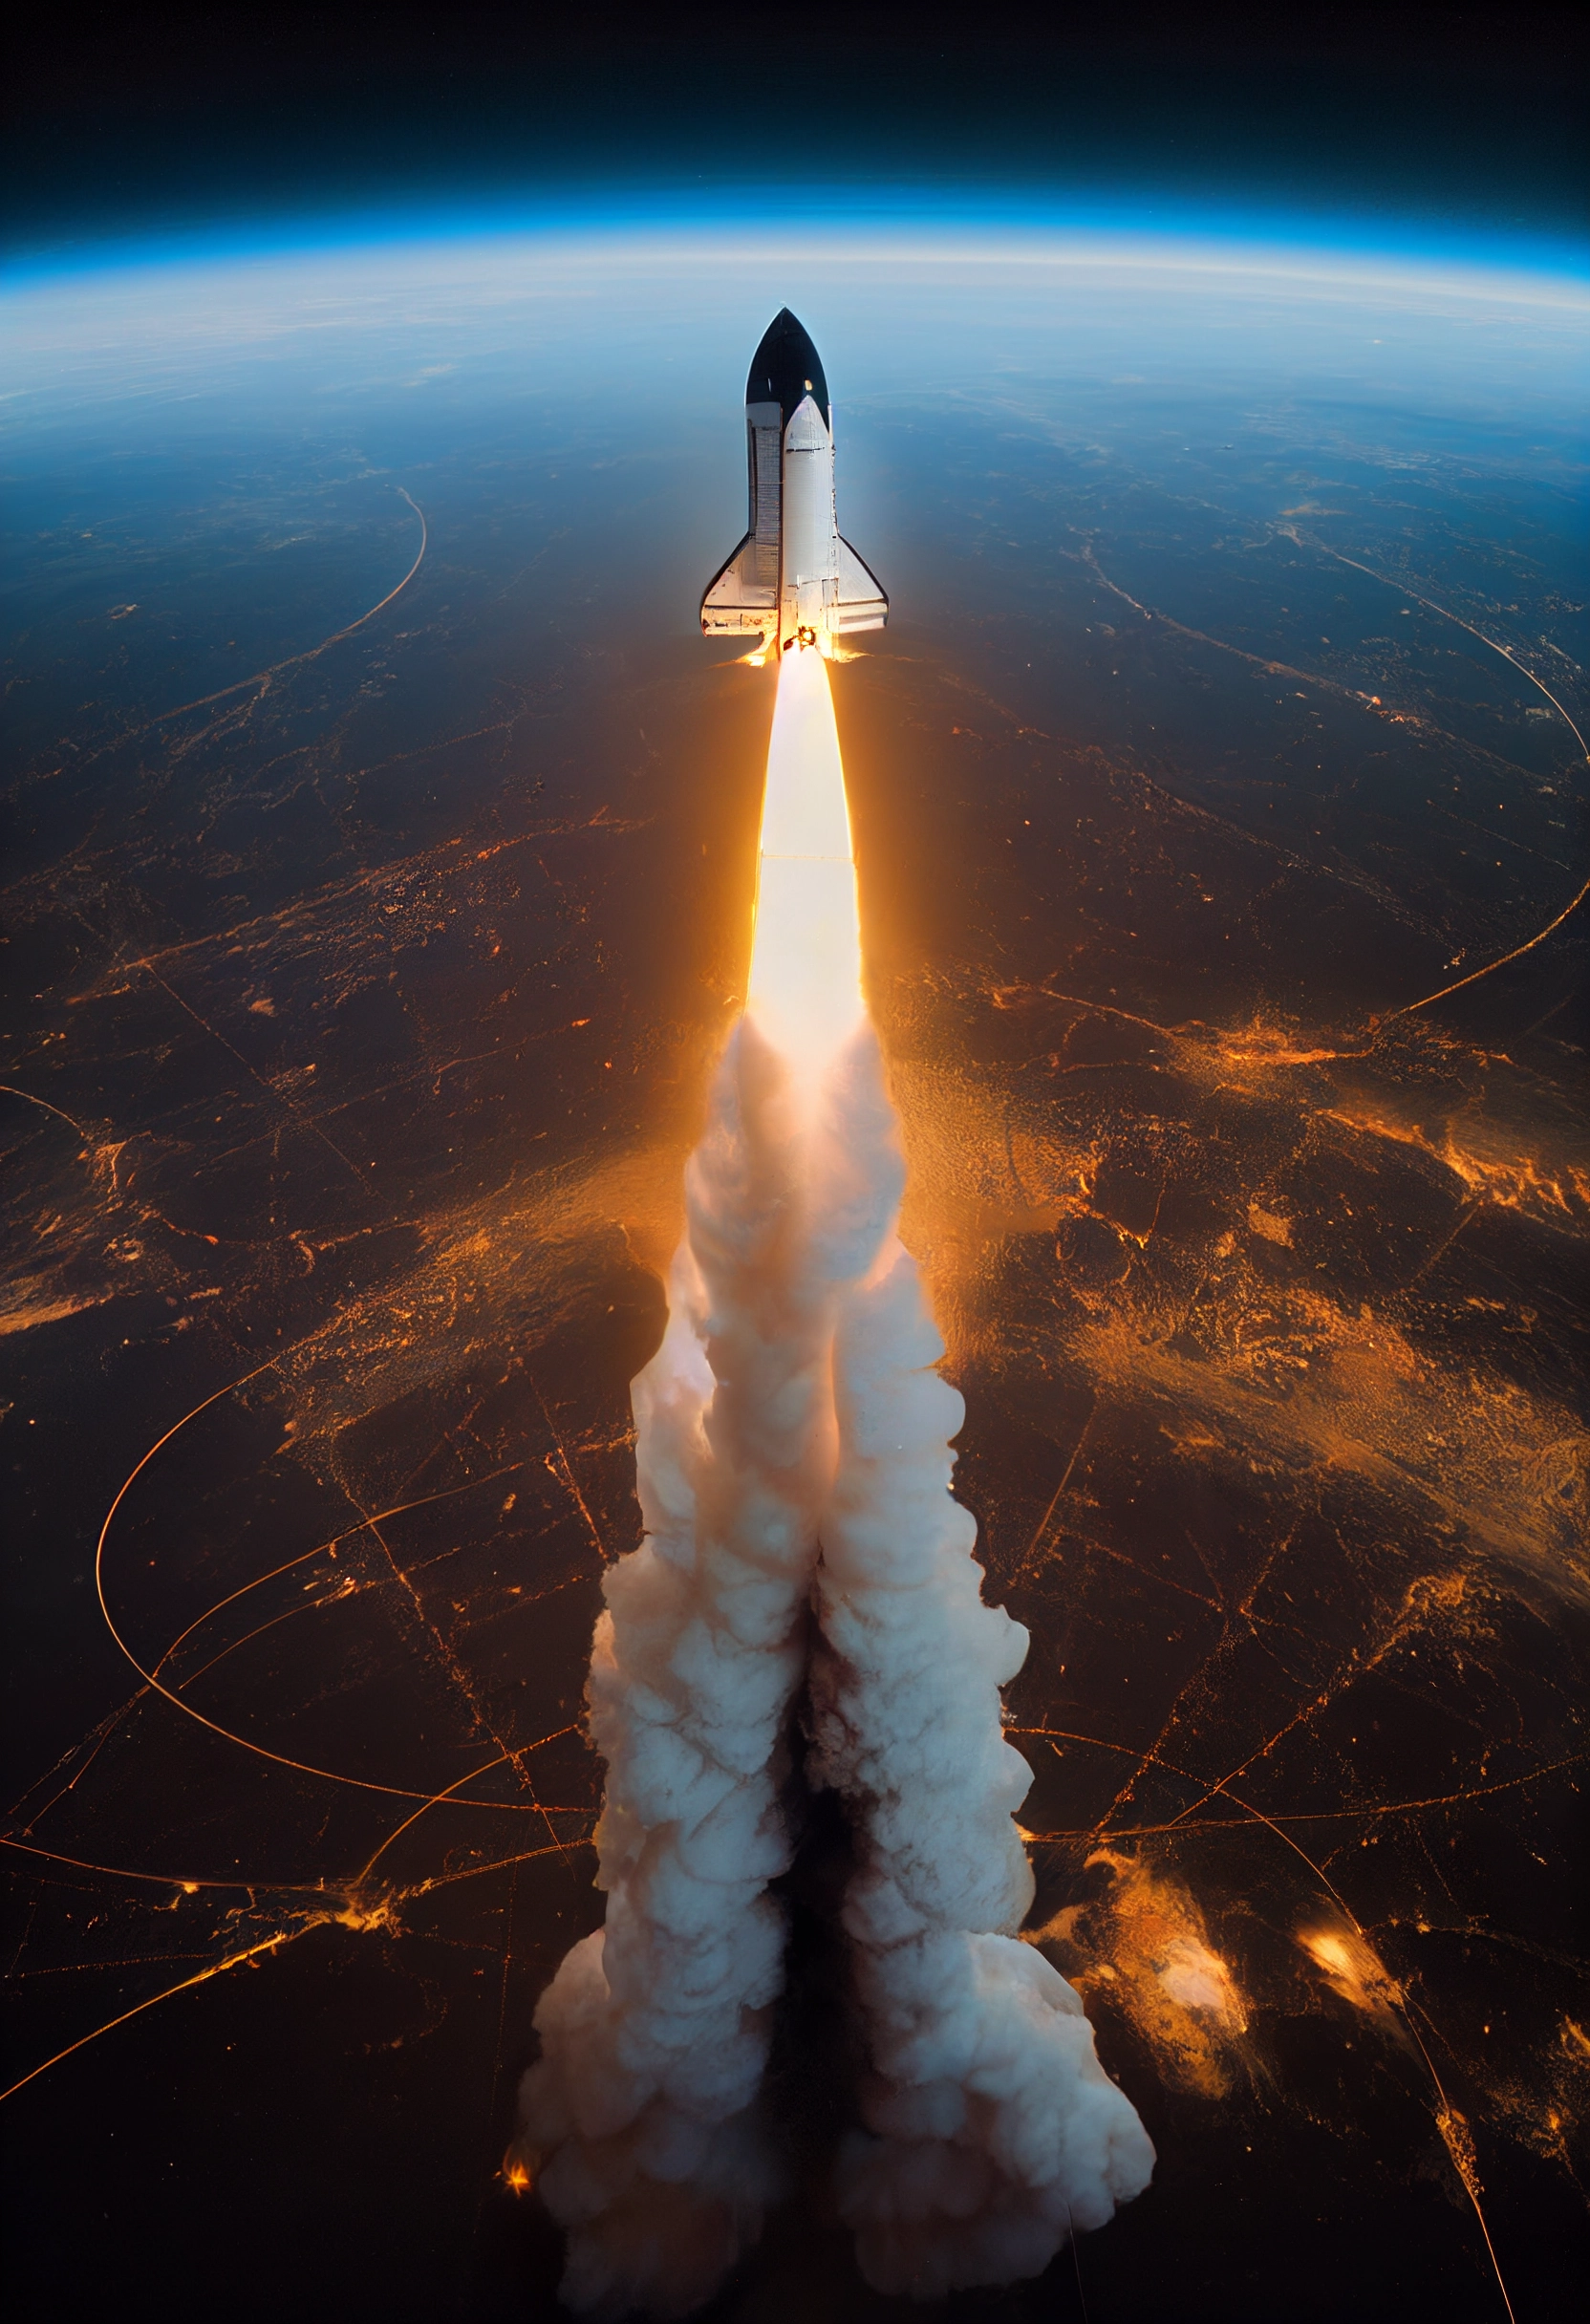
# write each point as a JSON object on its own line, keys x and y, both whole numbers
{"x": 655, "y": 2029}
{"x": 994, "y": 2129}
{"x": 793, "y": 1399}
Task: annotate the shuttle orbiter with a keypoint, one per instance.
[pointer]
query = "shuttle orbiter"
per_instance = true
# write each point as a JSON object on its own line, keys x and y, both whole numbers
{"x": 792, "y": 578}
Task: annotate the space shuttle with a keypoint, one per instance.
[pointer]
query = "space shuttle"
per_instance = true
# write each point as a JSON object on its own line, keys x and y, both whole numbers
{"x": 793, "y": 579}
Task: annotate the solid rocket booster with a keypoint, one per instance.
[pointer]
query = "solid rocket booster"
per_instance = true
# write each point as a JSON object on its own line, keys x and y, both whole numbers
{"x": 793, "y": 576}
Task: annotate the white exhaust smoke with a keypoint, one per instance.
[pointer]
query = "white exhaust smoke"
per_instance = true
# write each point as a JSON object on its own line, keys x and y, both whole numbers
{"x": 792, "y": 1451}
{"x": 994, "y": 2129}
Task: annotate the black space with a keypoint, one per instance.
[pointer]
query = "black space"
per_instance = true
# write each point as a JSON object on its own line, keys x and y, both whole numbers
{"x": 126, "y": 120}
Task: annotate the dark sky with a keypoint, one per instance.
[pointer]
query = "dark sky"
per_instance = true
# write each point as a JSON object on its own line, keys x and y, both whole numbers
{"x": 124, "y": 121}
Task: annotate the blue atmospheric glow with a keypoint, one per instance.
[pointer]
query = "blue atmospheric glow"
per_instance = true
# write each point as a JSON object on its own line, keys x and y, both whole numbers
{"x": 562, "y": 298}
{"x": 1014, "y": 222}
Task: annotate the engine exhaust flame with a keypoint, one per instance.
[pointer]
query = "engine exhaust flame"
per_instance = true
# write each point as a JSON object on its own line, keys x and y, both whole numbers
{"x": 806, "y": 952}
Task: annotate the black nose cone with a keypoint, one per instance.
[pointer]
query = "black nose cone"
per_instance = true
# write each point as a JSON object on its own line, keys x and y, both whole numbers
{"x": 785, "y": 369}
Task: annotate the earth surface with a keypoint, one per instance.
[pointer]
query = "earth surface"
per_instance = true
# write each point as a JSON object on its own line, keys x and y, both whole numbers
{"x": 380, "y": 855}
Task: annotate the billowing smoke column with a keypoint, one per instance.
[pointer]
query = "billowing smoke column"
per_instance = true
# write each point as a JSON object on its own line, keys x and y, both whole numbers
{"x": 792, "y": 1448}
{"x": 994, "y": 2129}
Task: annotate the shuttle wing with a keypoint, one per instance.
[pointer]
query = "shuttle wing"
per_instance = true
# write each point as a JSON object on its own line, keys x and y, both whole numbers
{"x": 736, "y": 598}
{"x": 861, "y": 603}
